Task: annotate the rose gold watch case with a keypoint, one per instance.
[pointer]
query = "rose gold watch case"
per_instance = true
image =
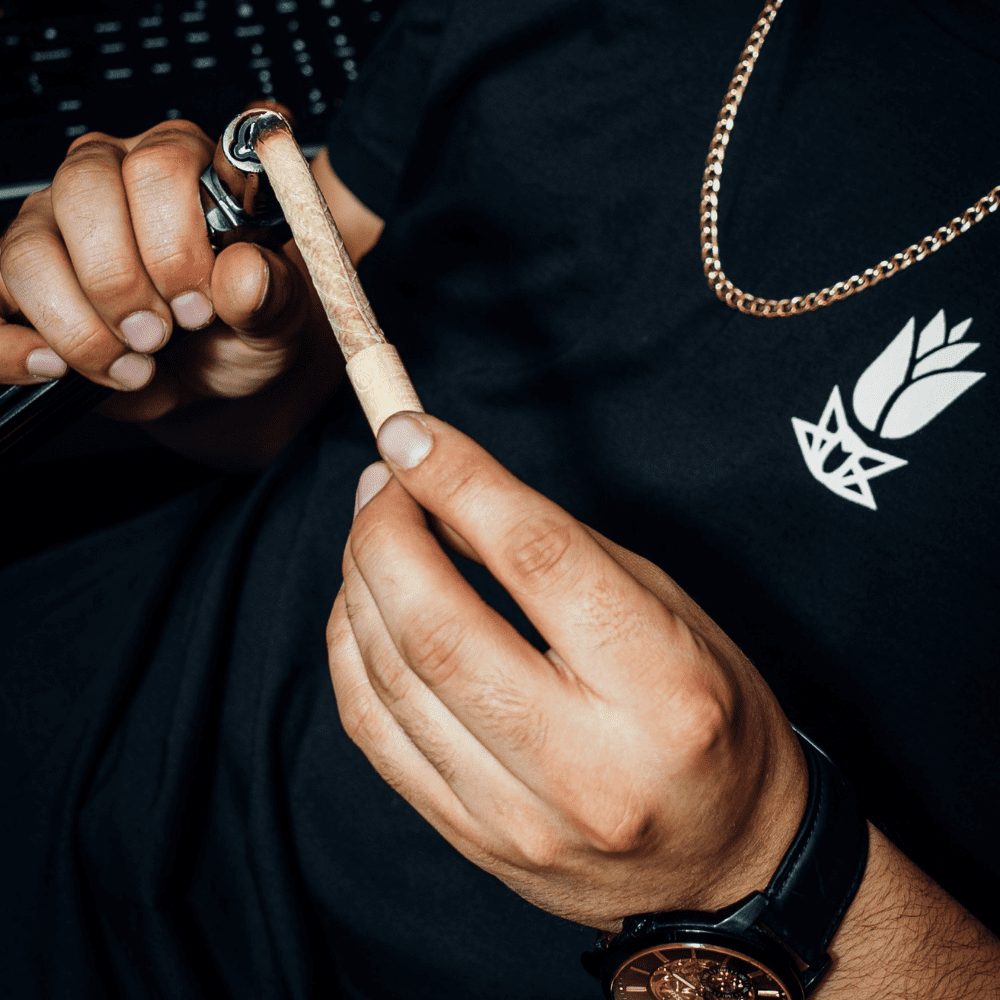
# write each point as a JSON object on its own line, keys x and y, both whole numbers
{"x": 693, "y": 970}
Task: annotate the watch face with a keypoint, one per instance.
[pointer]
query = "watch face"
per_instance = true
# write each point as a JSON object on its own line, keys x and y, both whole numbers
{"x": 696, "y": 972}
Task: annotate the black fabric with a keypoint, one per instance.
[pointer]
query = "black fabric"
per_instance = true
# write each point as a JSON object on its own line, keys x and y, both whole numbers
{"x": 183, "y": 814}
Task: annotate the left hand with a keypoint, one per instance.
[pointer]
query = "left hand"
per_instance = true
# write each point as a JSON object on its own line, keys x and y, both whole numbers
{"x": 640, "y": 764}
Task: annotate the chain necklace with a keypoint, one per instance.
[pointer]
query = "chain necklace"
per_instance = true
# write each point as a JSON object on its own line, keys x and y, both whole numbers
{"x": 755, "y": 305}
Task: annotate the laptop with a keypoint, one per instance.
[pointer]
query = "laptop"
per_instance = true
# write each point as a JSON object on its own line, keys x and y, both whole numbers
{"x": 76, "y": 66}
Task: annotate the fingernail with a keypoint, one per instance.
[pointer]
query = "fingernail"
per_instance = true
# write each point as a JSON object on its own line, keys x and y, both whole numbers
{"x": 404, "y": 441}
{"x": 144, "y": 331}
{"x": 192, "y": 310}
{"x": 132, "y": 371}
{"x": 43, "y": 362}
{"x": 371, "y": 482}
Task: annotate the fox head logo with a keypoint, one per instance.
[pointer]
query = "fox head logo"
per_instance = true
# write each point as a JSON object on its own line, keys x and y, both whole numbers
{"x": 912, "y": 381}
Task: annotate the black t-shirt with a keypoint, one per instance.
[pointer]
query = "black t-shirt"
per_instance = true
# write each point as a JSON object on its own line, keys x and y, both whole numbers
{"x": 183, "y": 814}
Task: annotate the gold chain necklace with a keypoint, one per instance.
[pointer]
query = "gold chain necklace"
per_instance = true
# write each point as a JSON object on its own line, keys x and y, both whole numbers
{"x": 755, "y": 305}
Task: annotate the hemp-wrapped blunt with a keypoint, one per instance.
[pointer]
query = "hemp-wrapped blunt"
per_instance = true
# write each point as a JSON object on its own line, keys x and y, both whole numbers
{"x": 373, "y": 365}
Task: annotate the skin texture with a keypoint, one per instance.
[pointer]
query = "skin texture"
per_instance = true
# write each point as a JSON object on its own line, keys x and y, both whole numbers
{"x": 639, "y": 764}
{"x": 120, "y": 233}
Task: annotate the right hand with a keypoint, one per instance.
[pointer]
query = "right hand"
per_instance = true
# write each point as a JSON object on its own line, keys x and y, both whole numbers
{"x": 98, "y": 269}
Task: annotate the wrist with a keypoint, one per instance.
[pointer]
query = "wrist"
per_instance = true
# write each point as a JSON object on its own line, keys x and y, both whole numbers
{"x": 753, "y": 857}
{"x": 778, "y": 935}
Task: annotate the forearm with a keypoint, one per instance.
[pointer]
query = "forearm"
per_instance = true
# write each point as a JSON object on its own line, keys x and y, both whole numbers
{"x": 904, "y": 937}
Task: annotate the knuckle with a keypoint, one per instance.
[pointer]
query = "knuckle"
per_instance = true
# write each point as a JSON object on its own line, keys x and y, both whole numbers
{"x": 156, "y": 161}
{"x": 538, "y": 850}
{"x": 433, "y": 645}
{"x": 37, "y": 200}
{"x": 625, "y": 828}
{"x": 180, "y": 129}
{"x": 394, "y": 685}
{"x": 87, "y": 346}
{"x": 85, "y": 167}
{"x": 370, "y": 539}
{"x": 170, "y": 258}
{"x": 509, "y": 714}
{"x": 112, "y": 277}
{"x": 458, "y": 487}
{"x": 434, "y": 746}
{"x": 338, "y": 630}
{"x": 335, "y": 639}
{"x": 25, "y": 251}
{"x": 359, "y": 716}
{"x": 701, "y": 722}
{"x": 99, "y": 139}
{"x": 540, "y": 552}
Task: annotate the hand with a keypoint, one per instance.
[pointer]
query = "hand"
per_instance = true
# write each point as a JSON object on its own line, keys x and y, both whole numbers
{"x": 97, "y": 269}
{"x": 640, "y": 764}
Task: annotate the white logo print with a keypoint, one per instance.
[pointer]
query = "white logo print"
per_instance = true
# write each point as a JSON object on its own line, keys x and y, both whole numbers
{"x": 901, "y": 391}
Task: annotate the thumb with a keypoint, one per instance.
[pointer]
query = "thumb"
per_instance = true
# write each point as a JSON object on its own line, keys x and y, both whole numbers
{"x": 263, "y": 295}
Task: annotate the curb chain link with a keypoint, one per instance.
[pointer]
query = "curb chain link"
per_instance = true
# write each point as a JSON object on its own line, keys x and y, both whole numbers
{"x": 755, "y": 305}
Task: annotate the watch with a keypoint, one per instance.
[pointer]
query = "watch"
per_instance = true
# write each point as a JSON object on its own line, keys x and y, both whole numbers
{"x": 771, "y": 944}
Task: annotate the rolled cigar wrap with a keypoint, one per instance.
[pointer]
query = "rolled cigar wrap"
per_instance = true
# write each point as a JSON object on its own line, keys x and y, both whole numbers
{"x": 373, "y": 365}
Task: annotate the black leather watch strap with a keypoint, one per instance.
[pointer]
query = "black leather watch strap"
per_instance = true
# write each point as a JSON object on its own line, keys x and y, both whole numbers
{"x": 821, "y": 871}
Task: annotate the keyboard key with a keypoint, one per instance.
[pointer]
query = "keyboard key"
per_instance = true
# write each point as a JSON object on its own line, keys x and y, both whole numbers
{"x": 50, "y": 55}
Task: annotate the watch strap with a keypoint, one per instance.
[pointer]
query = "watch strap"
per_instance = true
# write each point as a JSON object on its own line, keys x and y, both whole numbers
{"x": 822, "y": 869}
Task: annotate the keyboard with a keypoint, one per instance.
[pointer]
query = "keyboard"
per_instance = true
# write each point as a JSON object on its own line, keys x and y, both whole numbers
{"x": 118, "y": 67}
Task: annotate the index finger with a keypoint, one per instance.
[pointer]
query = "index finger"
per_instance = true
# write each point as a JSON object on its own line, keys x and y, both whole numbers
{"x": 592, "y": 612}
{"x": 161, "y": 173}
